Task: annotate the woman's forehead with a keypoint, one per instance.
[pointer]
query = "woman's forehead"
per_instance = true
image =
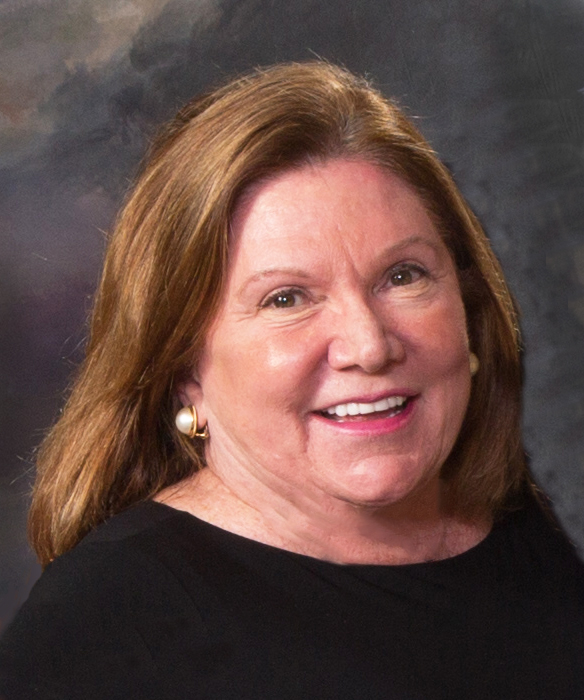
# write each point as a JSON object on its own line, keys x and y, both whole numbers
{"x": 325, "y": 209}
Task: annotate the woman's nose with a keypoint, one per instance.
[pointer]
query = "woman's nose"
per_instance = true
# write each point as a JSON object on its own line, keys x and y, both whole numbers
{"x": 363, "y": 338}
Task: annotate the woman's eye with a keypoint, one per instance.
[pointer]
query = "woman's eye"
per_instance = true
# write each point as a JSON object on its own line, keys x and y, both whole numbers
{"x": 405, "y": 274}
{"x": 284, "y": 299}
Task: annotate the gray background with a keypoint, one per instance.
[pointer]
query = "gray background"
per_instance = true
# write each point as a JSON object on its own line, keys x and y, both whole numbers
{"x": 496, "y": 86}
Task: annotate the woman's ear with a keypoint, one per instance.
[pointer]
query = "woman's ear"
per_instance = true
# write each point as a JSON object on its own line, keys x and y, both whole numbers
{"x": 190, "y": 393}
{"x": 193, "y": 423}
{"x": 191, "y": 419}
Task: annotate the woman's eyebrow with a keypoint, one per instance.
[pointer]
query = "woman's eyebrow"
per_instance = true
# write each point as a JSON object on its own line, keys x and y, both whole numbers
{"x": 302, "y": 274}
{"x": 272, "y": 272}
{"x": 415, "y": 239}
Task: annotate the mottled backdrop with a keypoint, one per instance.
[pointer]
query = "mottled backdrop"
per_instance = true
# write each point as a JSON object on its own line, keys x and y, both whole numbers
{"x": 496, "y": 86}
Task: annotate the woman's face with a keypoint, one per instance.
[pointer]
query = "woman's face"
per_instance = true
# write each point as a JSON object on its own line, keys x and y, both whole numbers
{"x": 338, "y": 365}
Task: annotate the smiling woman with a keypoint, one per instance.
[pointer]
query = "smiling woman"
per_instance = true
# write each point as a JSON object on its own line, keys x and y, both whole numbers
{"x": 345, "y": 510}
{"x": 340, "y": 295}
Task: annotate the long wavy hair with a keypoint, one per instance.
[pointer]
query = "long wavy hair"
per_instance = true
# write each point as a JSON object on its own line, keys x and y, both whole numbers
{"x": 115, "y": 443}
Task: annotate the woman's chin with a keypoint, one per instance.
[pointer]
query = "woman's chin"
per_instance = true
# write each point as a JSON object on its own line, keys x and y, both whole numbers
{"x": 378, "y": 494}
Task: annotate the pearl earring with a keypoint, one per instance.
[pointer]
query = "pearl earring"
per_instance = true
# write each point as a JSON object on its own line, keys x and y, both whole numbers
{"x": 187, "y": 422}
{"x": 474, "y": 364}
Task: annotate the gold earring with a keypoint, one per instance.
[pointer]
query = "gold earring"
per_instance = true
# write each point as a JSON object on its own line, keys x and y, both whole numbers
{"x": 474, "y": 364}
{"x": 187, "y": 422}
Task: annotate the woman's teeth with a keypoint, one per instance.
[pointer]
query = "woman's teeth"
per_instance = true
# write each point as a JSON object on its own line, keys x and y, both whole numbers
{"x": 362, "y": 409}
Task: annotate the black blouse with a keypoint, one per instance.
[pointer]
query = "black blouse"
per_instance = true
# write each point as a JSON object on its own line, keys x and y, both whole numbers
{"x": 158, "y": 604}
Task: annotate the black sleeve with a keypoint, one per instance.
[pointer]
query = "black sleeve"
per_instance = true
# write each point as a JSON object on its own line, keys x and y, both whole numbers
{"x": 78, "y": 636}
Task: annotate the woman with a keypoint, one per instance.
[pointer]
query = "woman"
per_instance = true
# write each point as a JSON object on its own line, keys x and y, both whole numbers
{"x": 295, "y": 440}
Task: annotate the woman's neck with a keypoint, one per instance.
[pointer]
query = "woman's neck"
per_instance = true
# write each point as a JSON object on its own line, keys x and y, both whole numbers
{"x": 421, "y": 530}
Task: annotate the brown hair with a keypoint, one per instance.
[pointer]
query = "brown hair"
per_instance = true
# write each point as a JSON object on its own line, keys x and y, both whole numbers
{"x": 116, "y": 443}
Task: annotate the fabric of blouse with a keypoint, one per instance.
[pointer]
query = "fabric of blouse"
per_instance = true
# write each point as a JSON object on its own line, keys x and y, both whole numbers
{"x": 157, "y": 604}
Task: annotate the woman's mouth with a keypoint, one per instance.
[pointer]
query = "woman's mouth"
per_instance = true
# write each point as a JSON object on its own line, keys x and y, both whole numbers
{"x": 383, "y": 408}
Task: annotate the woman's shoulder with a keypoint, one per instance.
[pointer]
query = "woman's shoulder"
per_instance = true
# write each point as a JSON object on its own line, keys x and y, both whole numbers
{"x": 535, "y": 523}
{"x": 123, "y": 546}
{"x": 530, "y": 543}
{"x": 115, "y": 559}
{"x": 97, "y": 611}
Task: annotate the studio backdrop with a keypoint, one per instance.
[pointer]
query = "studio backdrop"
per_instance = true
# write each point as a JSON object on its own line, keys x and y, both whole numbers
{"x": 497, "y": 87}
